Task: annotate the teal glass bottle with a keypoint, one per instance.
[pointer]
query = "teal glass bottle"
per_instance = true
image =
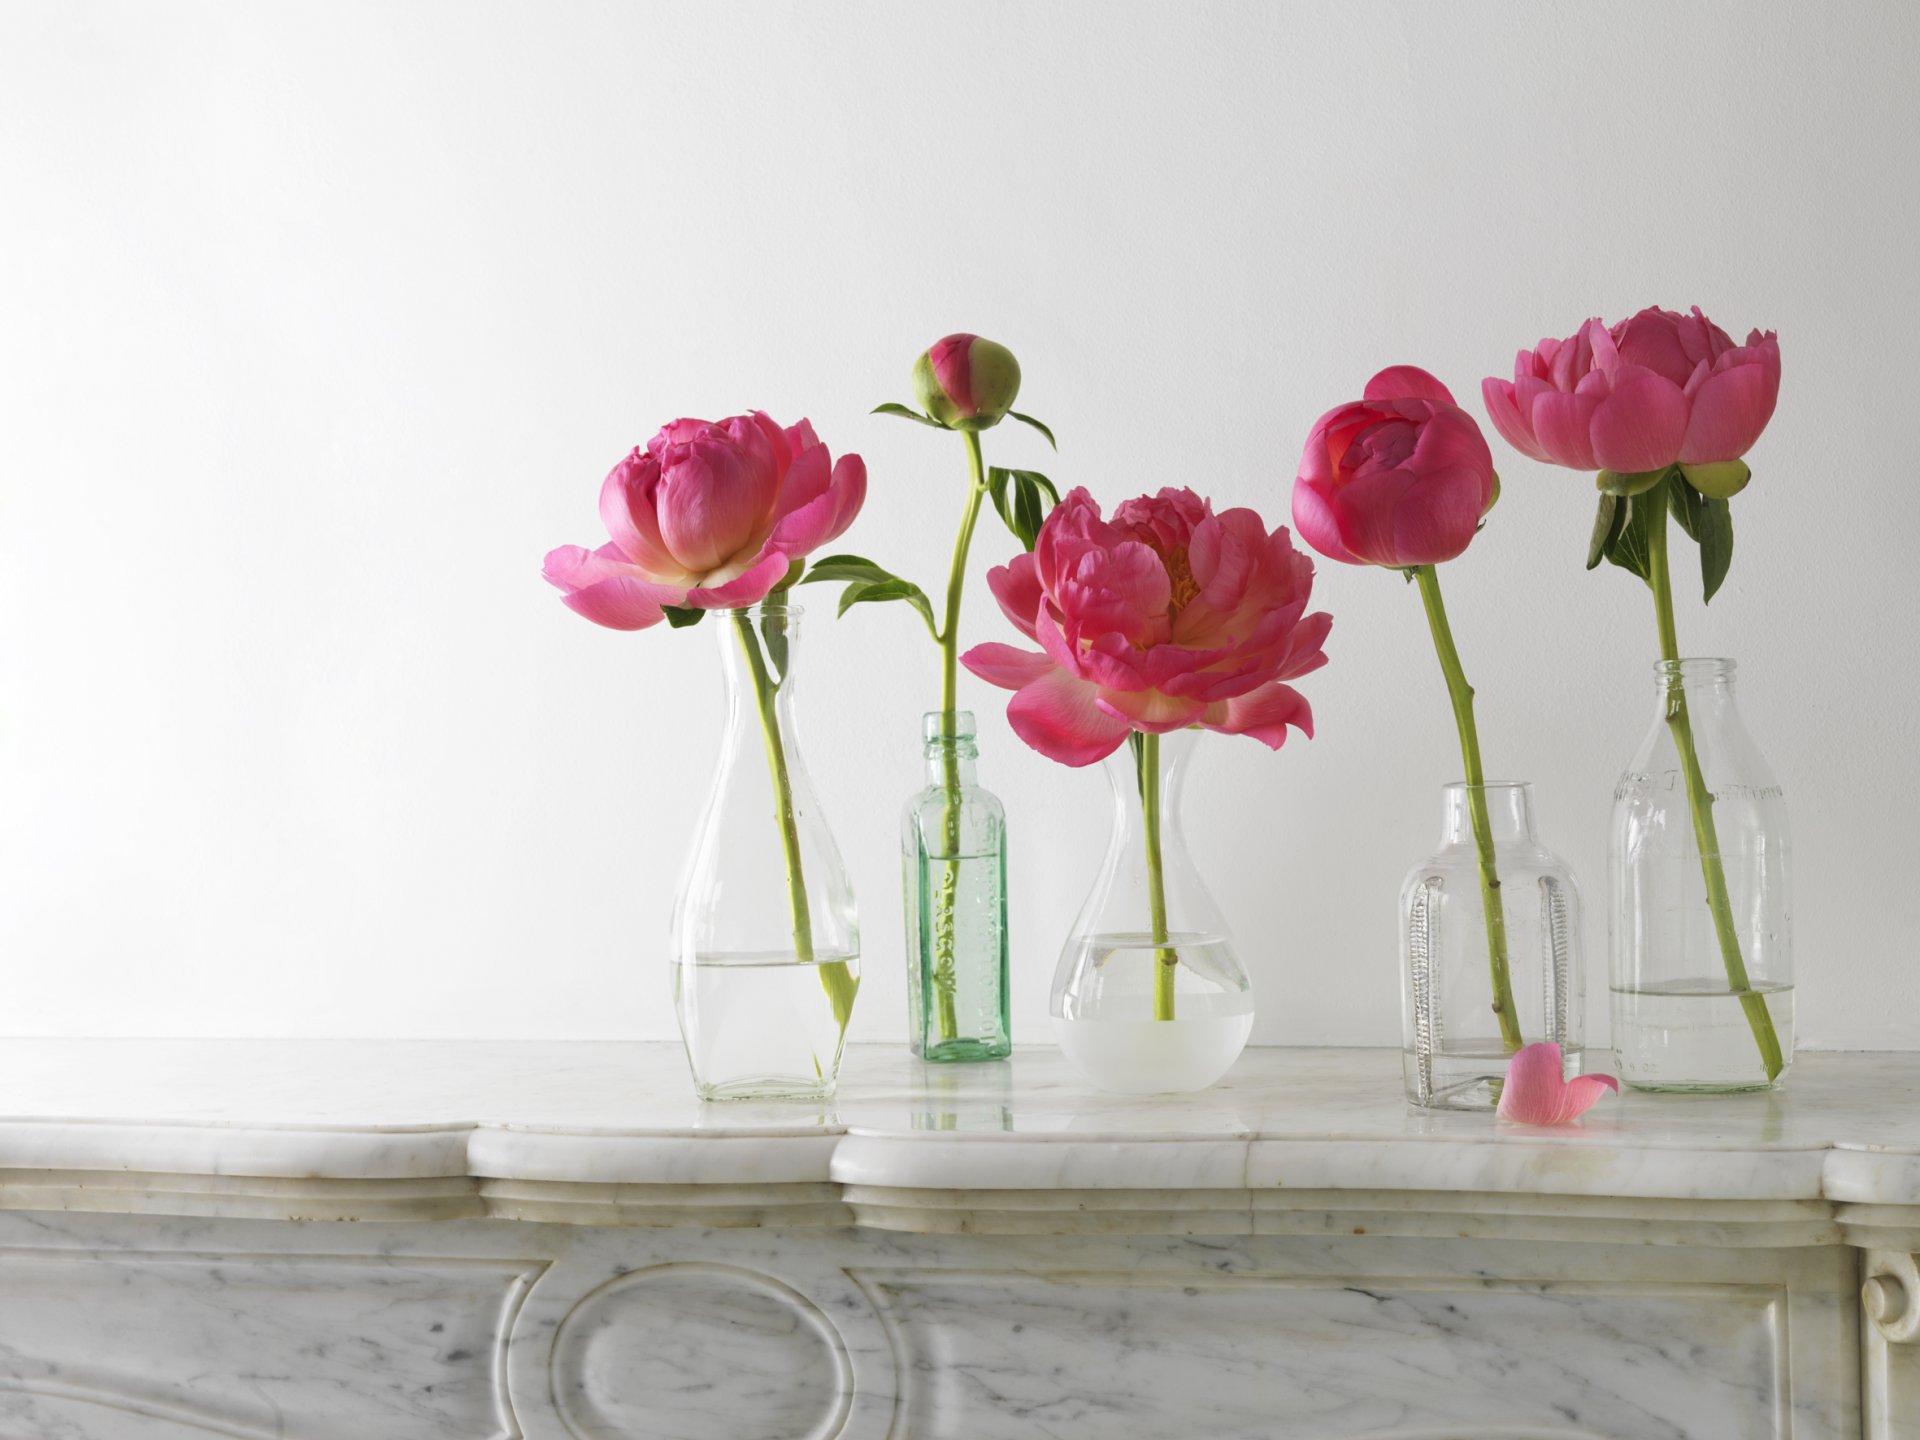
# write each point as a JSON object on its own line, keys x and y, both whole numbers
{"x": 953, "y": 853}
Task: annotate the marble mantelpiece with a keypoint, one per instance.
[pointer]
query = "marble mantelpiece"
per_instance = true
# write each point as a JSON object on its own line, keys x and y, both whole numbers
{"x": 462, "y": 1239}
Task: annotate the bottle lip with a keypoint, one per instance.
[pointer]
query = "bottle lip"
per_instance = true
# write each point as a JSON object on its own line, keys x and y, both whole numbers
{"x": 1488, "y": 787}
{"x": 933, "y": 727}
{"x": 761, "y": 608}
{"x": 1694, "y": 667}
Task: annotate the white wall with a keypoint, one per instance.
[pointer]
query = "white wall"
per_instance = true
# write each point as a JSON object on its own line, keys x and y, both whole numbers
{"x": 320, "y": 323}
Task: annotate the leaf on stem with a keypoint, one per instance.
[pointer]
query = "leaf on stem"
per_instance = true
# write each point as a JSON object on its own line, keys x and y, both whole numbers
{"x": 1709, "y": 523}
{"x": 1029, "y": 420}
{"x": 1629, "y": 548}
{"x": 1023, "y": 499}
{"x": 906, "y": 412}
{"x": 1606, "y": 529}
{"x": 867, "y": 581}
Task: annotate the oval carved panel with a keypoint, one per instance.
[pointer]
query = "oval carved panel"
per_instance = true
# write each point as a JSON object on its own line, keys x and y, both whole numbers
{"x": 700, "y": 1352}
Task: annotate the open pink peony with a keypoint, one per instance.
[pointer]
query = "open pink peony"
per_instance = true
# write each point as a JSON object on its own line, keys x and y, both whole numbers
{"x": 1534, "y": 1093}
{"x": 1398, "y": 478}
{"x": 1165, "y": 617}
{"x": 1658, "y": 389}
{"x": 709, "y": 516}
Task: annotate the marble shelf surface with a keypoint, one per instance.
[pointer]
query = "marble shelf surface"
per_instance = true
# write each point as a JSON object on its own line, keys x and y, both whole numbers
{"x": 1845, "y": 1128}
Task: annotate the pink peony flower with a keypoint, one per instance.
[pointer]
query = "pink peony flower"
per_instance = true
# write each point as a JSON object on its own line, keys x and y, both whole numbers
{"x": 1399, "y": 478}
{"x": 1534, "y": 1093}
{"x": 710, "y": 516}
{"x": 1656, "y": 390}
{"x": 1164, "y": 617}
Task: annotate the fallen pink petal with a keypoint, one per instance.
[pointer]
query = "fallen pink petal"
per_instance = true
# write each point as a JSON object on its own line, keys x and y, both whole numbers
{"x": 1536, "y": 1094}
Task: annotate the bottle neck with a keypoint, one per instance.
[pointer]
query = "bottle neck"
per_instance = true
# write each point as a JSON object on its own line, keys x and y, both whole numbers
{"x": 1706, "y": 683}
{"x": 1508, "y": 806}
{"x": 950, "y": 756}
{"x": 759, "y": 647}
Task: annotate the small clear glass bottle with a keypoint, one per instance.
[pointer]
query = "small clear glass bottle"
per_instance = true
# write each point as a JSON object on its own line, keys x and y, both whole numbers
{"x": 1456, "y": 1049}
{"x": 1149, "y": 996}
{"x": 766, "y": 940}
{"x": 1702, "y": 918}
{"x": 953, "y": 858}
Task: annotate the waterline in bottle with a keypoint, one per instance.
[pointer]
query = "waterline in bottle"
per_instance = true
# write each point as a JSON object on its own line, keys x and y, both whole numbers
{"x": 1693, "y": 1035}
{"x": 759, "y": 1026}
{"x": 1118, "y": 1044}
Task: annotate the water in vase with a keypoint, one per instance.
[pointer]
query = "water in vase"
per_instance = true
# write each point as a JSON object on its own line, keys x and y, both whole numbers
{"x": 760, "y": 1025}
{"x": 1107, "y": 1026}
{"x": 1694, "y": 1034}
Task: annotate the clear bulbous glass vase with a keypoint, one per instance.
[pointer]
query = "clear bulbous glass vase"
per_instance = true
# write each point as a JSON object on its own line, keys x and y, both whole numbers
{"x": 953, "y": 859}
{"x": 1701, "y": 926}
{"x": 766, "y": 938}
{"x": 1149, "y": 996}
{"x": 1490, "y": 957}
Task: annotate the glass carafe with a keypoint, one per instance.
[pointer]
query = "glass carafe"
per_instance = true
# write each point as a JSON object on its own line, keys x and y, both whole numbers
{"x": 953, "y": 856}
{"x": 1149, "y": 996}
{"x": 1702, "y": 918}
{"x": 766, "y": 942}
{"x": 1457, "y": 1042}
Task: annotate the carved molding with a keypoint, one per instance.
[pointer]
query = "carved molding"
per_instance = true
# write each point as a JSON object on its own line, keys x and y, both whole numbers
{"x": 1891, "y": 1295}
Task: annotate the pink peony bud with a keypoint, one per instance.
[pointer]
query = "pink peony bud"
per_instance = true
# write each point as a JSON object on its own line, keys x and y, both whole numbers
{"x": 965, "y": 382}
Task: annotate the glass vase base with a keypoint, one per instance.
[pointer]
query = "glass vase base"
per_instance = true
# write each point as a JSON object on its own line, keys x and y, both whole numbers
{"x": 1694, "y": 1037}
{"x": 1154, "y": 1057}
{"x": 1467, "y": 1079}
{"x": 766, "y": 1087}
{"x": 964, "y": 1050}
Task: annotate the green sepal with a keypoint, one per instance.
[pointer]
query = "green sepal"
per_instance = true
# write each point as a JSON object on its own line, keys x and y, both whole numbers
{"x": 1023, "y": 499}
{"x": 1629, "y": 482}
{"x": 906, "y": 412}
{"x": 1607, "y": 524}
{"x": 1718, "y": 479}
{"x": 1029, "y": 420}
{"x": 792, "y": 577}
{"x": 1708, "y": 522}
{"x": 681, "y": 616}
{"x": 867, "y": 581}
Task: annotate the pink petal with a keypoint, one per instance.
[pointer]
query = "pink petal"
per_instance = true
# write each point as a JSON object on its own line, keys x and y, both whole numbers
{"x": 626, "y": 509}
{"x": 1006, "y": 666}
{"x": 623, "y": 603}
{"x": 1264, "y": 714}
{"x": 747, "y": 588}
{"x": 713, "y": 496}
{"x": 805, "y": 482}
{"x": 572, "y": 567}
{"x": 1406, "y": 382}
{"x": 1016, "y": 585}
{"x": 1535, "y": 1094}
{"x": 1503, "y": 409}
{"x": 1056, "y": 715}
{"x": 1152, "y": 711}
{"x": 1559, "y": 422}
{"x": 1730, "y": 410}
{"x": 1640, "y": 425}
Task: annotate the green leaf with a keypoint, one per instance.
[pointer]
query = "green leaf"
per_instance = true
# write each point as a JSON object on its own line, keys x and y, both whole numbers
{"x": 1029, "y": 420}
{"x": 792, "y": 577}
{"x": 893, "y": 589}
{"x": 846, "y": 567}
{"x": 1631, "y": 482}
{"x": 867, "y": 581}
{"x": 1606, "y": 528}
{"x": 906, "y": 412}
{"x": 1629, "y": 549}
{"x": 681, "y": 616}
{"x": 1023, "y": 499}
{"x": 1708, "y": 522}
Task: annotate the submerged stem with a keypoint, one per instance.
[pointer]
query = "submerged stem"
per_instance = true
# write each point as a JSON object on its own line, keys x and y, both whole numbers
{"x": 1166, "y": 958}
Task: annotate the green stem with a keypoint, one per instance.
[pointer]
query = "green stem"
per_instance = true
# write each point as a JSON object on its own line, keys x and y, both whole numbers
{"x": 835, "y": 978}
{"x": 1461, "y": 693}
{"x": 1699, "y": 797}
{"x": 1166, "y": 958}
{"x": 943, "y": 918}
